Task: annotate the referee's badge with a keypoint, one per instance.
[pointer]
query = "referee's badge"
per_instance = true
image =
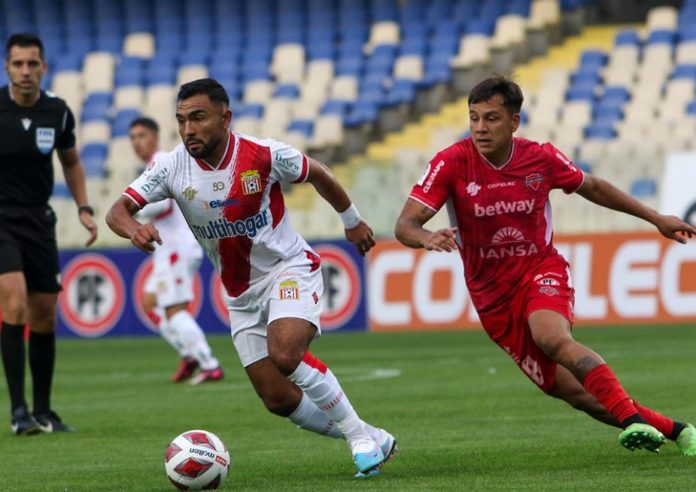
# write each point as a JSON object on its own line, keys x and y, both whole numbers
{"x": 45, "y": 138}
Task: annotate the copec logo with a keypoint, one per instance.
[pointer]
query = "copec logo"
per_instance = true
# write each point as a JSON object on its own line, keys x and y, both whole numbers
{"x": 93, "y": 297}
{"x": 220, "y": 228}
{"x": 618, "y": 279}
{"x": 142, "y": 276}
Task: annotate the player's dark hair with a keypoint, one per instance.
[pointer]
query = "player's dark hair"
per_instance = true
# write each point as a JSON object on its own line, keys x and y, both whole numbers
{"x": 146, "y": 122}
{"x": 212, "y": 88}
{"x": 24, "y": 40}
{"x": 498, "y": 84}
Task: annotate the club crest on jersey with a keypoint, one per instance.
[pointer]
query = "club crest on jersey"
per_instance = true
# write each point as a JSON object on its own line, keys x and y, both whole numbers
{"x": 533, "y": 181}
{"x": 45, "y": 138}
{"x": 26, "y": 123}
{"x": 289, "y": 290}
{"x": 251, "y": 182}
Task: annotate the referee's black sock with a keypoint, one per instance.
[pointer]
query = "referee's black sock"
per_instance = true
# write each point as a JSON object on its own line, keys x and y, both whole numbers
{"x": 42, "y": 357}
{"x": 12, "y": 348}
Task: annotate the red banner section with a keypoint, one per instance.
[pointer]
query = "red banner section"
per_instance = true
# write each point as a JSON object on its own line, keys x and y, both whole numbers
{"x": 618, "y": 278}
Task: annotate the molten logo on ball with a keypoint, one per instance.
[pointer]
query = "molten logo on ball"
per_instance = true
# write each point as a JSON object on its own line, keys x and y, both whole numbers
{"x": 197, "y": 459}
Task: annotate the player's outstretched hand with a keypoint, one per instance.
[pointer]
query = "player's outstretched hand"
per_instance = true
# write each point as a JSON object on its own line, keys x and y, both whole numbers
{"x": 674, "y": 228}
{"x": 87, "y": 221}
{"x": 144, "y": 236}
{"x": 362, "y": 236}
{"x": 442, "y": 240}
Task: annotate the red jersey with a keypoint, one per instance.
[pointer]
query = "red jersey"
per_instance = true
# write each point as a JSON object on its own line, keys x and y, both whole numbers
{"x": 503, "y": 215}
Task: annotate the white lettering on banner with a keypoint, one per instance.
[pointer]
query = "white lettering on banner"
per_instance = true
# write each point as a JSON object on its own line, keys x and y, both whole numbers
{"x": 381, "y": 310}
{"x": 588, "y": 306}
{"x": 675, "y": 301}
{"x": 625, "y": 277}
{"x": 439, "y": 310}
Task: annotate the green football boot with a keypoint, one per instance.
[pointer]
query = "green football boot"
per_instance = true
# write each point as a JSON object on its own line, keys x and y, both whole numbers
{"x": 645, "y": 436}
{"x": 686, "y": 441}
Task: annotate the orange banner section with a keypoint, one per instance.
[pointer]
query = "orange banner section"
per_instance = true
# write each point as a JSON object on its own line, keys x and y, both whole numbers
{"x": 619, "y": 279}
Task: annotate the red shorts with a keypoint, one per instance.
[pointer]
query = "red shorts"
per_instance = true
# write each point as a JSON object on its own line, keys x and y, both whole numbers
{"x": 548, "y": 287}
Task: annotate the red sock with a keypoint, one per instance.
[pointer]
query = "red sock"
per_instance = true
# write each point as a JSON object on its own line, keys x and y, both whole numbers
{"x": 601, "y": 383}
{"x": 657, "y": 420}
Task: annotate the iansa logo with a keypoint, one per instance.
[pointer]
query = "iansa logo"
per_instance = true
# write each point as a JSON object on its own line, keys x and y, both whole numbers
{"x": 508, "y": 242}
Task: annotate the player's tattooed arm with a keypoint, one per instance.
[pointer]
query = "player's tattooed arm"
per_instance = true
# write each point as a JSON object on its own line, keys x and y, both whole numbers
{"x": 409, "y": 229}
{"x": 584, "y": 365}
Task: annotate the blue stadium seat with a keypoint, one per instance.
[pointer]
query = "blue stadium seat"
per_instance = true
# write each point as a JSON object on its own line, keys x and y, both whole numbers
{"x": 606, "y": 115}
{"x": 403, "y": 91}
{"x": 691, "y": 108}
{"x": 68, "y": 63}
{"x": 93, "y": 157}
{"x": 644, "y": 188}
{"x": 97, "y": 106}
{"x": 617, "y": 93}
{"x": 593, "y": 57}
{"x": 362, "y": 112}
{"x": 161, "y": 70}
{"x": 250, "y": 111}
{"x": 334, "y": 106}
{"x": 61, "y": 190}
{"x": 586, "y": 78}
{"x": 628, "y": 37}
{"x": 306, "y": 127}
{"x": 662, "y": 36}
{"x": 578, "y": 92}
{"x": 349, "y": 66}
{"x": 602, "y": 131}
{"x": 684, "y": 71}
{"x": 122, "y": 121}
{"x": 287, "y": 91}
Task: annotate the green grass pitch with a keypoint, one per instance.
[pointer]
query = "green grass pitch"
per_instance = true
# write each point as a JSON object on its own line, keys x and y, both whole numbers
{"x": 465, "y": 417}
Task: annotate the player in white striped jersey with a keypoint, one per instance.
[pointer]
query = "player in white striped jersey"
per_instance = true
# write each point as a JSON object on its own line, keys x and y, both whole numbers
{"x": 228, "y": 187}
{"x": 169, "y": 289}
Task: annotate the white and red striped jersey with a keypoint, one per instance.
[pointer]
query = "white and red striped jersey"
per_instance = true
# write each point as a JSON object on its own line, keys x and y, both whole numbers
{"x": 172, "y": 227}
{"x": 235, "y": 210}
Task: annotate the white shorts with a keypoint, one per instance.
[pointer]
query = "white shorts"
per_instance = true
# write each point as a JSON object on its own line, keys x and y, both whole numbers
{"x": 171, "y": 279}
{"x": 294, "y": 293}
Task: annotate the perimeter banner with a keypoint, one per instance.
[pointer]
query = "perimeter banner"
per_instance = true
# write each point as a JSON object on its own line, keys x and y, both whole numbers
{"x": 628, "y": 278}
{"x": 102, "y": 290}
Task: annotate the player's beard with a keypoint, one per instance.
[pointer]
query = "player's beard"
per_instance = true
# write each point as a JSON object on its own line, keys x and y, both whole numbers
{"x": 206, "y": 149}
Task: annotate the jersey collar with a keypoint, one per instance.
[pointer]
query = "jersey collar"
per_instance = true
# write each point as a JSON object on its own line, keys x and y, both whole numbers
{"x": 498, "y": 168}
{"x": 226, "y": 157}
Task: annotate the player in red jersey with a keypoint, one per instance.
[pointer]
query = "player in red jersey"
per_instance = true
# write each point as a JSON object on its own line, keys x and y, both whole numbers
{"x": 497, "y": 192}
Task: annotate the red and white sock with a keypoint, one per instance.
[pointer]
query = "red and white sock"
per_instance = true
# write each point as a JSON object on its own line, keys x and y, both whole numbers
{"x": 603, "y": 385}
{"x": 323, "y": 389}
{"x": 309, "y": 417}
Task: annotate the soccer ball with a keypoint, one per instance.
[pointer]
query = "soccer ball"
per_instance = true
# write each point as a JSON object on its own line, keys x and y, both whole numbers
{"x": 197, "y": 459}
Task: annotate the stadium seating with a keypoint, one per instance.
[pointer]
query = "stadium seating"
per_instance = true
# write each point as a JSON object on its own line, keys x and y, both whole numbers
{"x": 335, "y": 76}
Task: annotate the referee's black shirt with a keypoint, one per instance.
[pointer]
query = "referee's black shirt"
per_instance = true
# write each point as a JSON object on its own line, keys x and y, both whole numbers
{"x": 28, "y": 136}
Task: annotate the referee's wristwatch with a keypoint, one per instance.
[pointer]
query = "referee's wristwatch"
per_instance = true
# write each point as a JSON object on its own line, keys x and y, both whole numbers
{"x": 85, "y": 208}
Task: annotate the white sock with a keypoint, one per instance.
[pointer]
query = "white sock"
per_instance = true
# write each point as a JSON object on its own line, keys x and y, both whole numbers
{"x": 193, "y": 340}
{"x": 166, "y": 331}
{"x": 322, "y": 388}
{"x": 309, "y": 417}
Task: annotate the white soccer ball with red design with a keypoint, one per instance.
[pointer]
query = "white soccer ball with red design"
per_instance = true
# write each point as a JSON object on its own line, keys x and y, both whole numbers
{"x": 197, "y": 459}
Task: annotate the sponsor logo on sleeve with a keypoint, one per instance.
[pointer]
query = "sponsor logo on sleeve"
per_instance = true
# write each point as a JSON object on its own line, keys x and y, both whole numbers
{"x": 288, "y": 163}
{"x": 154, "y": 180}
{"x": 566, "y": 161}
{"x": 251, "y": 182}
{"x": 433, "y": 175}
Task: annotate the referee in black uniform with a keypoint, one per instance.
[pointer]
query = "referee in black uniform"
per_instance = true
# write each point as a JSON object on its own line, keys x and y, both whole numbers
{"x": 32, "y": 124}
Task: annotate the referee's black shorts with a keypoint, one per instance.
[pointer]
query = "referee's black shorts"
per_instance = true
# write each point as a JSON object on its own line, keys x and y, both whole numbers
{"x": 28, "y": 244}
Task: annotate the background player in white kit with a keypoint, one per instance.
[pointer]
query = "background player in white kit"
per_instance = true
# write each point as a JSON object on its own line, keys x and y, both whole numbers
{"x": 228, "y": 188}
{"x": 169, "y": 289}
